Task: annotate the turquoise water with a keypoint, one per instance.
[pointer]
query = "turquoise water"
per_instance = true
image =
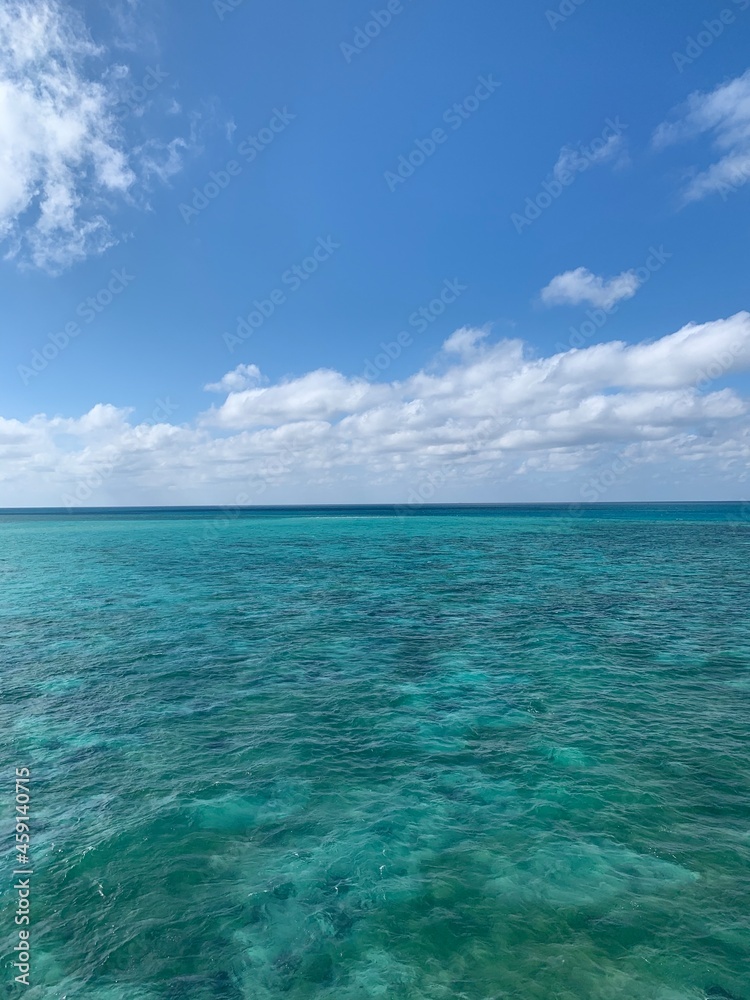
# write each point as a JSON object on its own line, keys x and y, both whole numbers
{"x": 471, "y": 753}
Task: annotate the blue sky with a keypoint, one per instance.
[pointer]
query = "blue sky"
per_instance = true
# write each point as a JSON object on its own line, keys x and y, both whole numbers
{"x": 179, "y": 167}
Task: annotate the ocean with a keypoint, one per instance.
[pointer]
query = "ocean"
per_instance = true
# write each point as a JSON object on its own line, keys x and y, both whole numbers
{"x": 372, "y": 752}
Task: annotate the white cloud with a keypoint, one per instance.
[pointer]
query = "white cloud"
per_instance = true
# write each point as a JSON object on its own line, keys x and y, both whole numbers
{"x": 56, "y": 137}
{"x": 132, "y": 30}
{"x": 162, "y": 159}
{"x": 319, "y": 395}
{"x": 575, "y": 158}
{"x": 64, "y": 159}
{"x": 465, "y": 341}
{"x": 581, "y": 285}
{"x": 724, "y": 115}
{"x": 485, "y": 421}
{"x": 241, "y": 377}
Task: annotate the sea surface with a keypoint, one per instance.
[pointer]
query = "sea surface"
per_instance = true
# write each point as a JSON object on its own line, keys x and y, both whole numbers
{"x": 456, "y": 753}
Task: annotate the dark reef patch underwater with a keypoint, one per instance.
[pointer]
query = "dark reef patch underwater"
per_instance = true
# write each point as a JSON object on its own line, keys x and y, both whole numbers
{"x": 472, "y": 753}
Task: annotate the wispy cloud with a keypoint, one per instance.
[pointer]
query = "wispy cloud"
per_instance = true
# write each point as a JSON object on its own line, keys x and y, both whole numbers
{"x": 65, "y": 160}
{"x": 724, "y": 115}
{"x": 60, "y": 151}
{"x": 132, "y": 30}
{"x": 574, "y": 158}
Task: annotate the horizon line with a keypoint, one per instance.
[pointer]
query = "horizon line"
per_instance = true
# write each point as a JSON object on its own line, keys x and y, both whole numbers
{"x": 384, "y": 504}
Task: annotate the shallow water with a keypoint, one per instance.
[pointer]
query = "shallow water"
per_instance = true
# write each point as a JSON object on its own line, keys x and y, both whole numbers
{"x": 475, "y": 753}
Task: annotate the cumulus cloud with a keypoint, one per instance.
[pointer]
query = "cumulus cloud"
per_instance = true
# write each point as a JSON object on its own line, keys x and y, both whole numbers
{"x": 581, "y": 285}
{"x": 724, "y": 115}
{"x": 465, "y": 341}
{"x": 319, "y": 395}
{"x": 484, "y": 420}
{"x": 241, "y": 377}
